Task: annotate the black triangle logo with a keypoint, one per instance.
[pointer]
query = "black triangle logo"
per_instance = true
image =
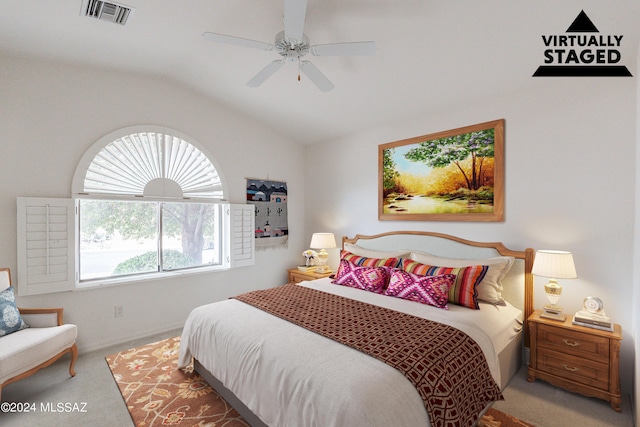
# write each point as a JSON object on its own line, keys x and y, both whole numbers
{"x": 582, "y": 24}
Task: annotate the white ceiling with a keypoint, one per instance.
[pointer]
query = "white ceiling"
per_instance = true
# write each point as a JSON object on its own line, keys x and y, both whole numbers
{"x": 431, "y": 55}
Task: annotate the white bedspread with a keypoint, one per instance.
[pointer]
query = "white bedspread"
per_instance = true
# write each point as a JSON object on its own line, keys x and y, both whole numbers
{"x": 289, "y": 376}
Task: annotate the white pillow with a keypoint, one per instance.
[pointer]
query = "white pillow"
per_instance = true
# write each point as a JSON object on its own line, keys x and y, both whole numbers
{"x": 490, "y": 289}
{"x": 372, "y": 253}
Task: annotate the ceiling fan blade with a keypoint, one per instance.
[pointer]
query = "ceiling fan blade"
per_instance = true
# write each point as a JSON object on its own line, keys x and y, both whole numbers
{"x": 344, "y": 49}
{"x": 265, "y": 73}
{"x": 316, "y": 76}
{"x": 237, "y": 41}
{"x": 294, "y": 14}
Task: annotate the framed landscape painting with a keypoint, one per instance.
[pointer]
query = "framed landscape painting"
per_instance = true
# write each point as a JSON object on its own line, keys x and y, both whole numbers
{"x": 455, "y": 175}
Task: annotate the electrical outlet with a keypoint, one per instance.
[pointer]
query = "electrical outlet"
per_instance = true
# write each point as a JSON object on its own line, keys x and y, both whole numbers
{"x": 118, "y": 311}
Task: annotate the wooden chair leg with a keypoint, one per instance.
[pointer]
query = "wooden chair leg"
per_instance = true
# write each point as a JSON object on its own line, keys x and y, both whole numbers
{"x": 73, "y": 350}
{"x": 74, "y": 357}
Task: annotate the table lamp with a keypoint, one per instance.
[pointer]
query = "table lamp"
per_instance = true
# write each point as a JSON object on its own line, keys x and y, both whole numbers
{"x": 554, "y": 265}
{"x": 322, "y": 241}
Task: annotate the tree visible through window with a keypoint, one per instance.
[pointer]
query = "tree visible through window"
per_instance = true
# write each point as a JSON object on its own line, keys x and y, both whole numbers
{"x": 149, "y": 204}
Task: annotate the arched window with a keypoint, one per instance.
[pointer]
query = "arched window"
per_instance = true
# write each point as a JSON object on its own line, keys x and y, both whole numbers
{"x": 152, "y": 164}
{"x": 148, "y": 161}
{"x": 148, "y": 201}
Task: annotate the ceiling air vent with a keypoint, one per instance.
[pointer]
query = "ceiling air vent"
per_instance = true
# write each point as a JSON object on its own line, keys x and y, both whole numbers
{"x": 106, "y": 11}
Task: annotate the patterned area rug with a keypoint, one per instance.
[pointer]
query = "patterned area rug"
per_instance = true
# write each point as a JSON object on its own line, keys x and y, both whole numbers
{"x": 157, "y": 393}
{"x": 495, "y": 418}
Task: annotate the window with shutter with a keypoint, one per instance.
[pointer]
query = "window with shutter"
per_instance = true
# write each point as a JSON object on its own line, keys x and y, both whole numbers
{"x": 148, "y": 202}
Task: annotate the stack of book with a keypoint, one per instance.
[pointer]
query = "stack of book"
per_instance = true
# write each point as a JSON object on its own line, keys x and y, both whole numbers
{"x": 583, "y": 318}
{"x": 307, "y": 268}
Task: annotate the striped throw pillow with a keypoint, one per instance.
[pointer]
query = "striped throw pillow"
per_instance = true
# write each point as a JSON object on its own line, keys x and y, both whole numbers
{"x": 362, "y": 261}
{"x": 463, "y": 292}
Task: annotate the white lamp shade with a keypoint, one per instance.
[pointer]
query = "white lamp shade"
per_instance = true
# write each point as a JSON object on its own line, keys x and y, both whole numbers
{"x": 554, "y": 264}
{"x": 322, "y": 241}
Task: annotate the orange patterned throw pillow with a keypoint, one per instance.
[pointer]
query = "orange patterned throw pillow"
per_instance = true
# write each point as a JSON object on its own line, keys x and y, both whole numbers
{"x": 463, "y": 292}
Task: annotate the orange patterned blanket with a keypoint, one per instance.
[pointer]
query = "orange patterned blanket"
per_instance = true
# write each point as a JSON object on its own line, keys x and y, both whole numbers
{"x": 446, "y": 366}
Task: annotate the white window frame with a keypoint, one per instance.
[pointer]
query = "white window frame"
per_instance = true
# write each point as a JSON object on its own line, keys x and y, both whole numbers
{"x": 48, "y": 231}
{"x": 225, "y": 252}
{"x": 48, "y": 256}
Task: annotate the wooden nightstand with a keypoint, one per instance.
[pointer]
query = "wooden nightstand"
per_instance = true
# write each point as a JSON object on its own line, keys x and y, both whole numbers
{"x": 297, "y": 276}
{"x": 579, "y": 359}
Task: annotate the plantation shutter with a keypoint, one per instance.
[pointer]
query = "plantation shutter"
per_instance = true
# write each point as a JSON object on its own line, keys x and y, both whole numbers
{"x": 241, "y": 235}
{"x": 141, "y": 162}
{"x": 46, "y": 242}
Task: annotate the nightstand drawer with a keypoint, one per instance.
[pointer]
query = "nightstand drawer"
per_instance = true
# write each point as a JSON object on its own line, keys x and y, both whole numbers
{"x": 577, "y": 369}
{"x": 572, "y": 342}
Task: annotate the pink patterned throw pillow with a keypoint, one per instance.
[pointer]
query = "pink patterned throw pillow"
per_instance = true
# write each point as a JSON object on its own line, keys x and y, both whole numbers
{"x": 431, "y": 290}
{"x": 372, "y": 279}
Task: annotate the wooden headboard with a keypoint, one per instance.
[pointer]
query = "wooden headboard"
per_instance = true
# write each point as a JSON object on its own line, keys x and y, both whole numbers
{"x": 518, "y": 284}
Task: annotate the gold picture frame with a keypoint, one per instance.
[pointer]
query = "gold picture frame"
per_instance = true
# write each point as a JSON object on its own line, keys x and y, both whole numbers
{"x": 454, "y": 175}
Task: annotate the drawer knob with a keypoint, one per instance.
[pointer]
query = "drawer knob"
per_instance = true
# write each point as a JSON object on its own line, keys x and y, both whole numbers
{"x": 574, "y": 369}
{"x": 570, "y": 343}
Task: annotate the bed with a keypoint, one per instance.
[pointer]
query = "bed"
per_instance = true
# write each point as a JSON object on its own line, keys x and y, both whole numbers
{"x": 277, "y": 373}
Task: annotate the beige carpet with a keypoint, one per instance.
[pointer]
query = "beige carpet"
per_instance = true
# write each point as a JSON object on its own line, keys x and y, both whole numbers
{"x": 158, "y": 394}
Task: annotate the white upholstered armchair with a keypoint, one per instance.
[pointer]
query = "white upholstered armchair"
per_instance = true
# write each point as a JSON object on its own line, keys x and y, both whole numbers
{"x": 32, "y": 338}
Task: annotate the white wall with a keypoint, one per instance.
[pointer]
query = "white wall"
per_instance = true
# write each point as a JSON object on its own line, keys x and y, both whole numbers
{"x": 636, "y": 271}
{"x": 570, "y": 184}
{"x": 51, "y": 114}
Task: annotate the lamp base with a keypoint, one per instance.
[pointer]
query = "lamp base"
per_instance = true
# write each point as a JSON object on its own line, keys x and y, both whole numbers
{"x": 553, "y": 316}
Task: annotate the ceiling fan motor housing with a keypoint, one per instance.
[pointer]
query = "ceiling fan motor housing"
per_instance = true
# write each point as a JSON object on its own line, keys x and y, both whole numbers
{"x": 291, "y": 49}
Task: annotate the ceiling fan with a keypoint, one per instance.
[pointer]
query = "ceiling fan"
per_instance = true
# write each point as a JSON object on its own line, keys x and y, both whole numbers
{"x": 292, "y": 45}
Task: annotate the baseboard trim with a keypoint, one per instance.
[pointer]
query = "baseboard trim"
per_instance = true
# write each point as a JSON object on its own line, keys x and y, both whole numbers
{"x": 88, "y": 348}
